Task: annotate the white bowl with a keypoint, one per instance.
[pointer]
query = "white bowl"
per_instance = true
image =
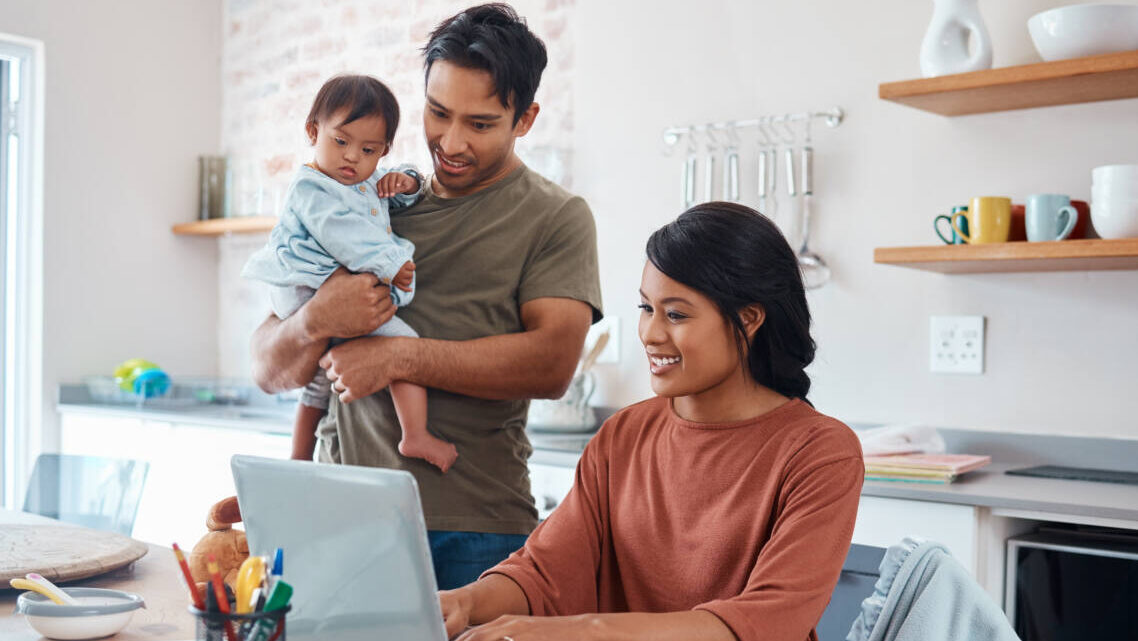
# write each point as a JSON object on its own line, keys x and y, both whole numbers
{"x": 1084, "y": 30}
{"x": 100, "y": 613}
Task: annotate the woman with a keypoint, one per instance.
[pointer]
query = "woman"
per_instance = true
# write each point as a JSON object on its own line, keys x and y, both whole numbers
{"x": 722, "y": 508}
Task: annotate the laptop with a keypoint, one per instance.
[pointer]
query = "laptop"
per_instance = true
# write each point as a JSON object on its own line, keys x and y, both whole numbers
{"x": 355, "y": 547}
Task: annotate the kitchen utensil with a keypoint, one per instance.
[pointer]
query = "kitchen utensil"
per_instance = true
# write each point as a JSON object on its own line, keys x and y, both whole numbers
{"x": 1084, "y": 30}
{"x": 98, "y": 613}
{"x": 709, "y": 168}
{"x": 595, "y": 351}
{"x": 56, "y": 596}
{"x": 1050, "y": 217}
{"x": 689, "y": 179}
{"x": 763, "y": 182}
{"x": 959, "y": 215}
{"x": 815, "y": 271}
{"x": 50, "y": 590}
{"x": 990, "y": 220}
{"x": 731, "y": 174}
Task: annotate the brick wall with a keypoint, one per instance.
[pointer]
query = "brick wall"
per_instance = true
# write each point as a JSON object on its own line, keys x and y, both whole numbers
{"x": 275, "y": 56}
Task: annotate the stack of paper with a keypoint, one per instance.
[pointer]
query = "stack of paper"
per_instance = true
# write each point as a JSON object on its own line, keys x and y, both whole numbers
{"x": 922, "y": 468}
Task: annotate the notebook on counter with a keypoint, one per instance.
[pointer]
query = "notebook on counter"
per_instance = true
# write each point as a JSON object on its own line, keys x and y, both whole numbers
{"x": 922, "y": 468}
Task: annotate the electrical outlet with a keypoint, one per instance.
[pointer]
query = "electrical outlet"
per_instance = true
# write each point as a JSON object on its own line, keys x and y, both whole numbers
{"x": 611, "y": 351}
{"x": 956, "y": 344}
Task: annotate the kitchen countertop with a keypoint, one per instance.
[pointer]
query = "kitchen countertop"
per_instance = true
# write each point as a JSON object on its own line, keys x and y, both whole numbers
{"x": 261, "y": 413}
{"x": 988, "y": 487}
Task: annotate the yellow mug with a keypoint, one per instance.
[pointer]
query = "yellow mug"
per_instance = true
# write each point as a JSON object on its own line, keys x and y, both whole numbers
{"x": 989, "y": 220}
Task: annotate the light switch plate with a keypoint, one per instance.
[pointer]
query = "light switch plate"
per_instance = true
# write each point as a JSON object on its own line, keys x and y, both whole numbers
{"x": 956, "y": 344}
{"x": 611, "y": 352}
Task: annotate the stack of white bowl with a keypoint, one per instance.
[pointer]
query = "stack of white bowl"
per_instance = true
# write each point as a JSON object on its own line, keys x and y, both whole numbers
{"x": 1114, "y": 201}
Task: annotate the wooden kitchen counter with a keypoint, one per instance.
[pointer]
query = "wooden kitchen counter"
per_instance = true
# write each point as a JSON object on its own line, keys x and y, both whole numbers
{"x": 155, "y": 577}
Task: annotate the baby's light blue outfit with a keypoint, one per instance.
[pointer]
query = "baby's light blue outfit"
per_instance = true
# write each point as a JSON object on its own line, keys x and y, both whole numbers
{"x": 326, "y": 224}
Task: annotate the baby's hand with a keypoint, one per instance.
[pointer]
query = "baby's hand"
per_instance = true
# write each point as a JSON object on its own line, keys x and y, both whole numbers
{"x": 403, "y": 277}
{"x": 396, "y": 183}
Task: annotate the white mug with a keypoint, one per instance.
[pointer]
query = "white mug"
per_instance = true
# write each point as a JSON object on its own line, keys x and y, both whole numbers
{"x": 1114, "y": 201}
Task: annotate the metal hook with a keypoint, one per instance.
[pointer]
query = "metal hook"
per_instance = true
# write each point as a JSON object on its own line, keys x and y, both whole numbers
{"x": 712, "y": 139}
{"x": 790, "y": 136}
{"x": 766, "y": 140}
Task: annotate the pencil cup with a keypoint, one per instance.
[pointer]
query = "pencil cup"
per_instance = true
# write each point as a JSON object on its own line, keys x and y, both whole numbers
{"x": 255, "y": 626}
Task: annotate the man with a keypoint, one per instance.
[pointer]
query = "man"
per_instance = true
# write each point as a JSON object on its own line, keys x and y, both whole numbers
{"x": 506, "y": 265}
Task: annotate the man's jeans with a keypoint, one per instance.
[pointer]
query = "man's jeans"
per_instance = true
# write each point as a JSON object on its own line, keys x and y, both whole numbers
{"x": 461, "y": 557}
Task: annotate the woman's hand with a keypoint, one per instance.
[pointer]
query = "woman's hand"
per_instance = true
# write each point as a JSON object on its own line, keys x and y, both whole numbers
{"x": 527, "y": 628}
{"x": 456, "y": 606}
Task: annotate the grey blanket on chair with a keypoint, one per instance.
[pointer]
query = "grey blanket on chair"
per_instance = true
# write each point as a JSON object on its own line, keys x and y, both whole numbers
{"x": 923, "y": 594}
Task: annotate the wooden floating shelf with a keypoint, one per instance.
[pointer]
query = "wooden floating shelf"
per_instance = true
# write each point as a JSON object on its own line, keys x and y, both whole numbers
{"x": 1060, "y": 256}
{"x": 1111, "y": 76}
{"x": 223, "y": 226}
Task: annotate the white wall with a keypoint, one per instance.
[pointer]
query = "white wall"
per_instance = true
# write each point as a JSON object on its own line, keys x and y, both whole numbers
{"x": 133, "y": 96}
{"x": 1062, "y": 351}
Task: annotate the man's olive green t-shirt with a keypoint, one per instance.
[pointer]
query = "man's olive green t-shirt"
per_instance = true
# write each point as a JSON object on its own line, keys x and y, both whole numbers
{"x": 478, "y": 258}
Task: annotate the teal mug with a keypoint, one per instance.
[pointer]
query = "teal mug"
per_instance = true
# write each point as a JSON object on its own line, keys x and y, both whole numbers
{"x": 1050, "y": 217}
{"x": 957, "y": 219}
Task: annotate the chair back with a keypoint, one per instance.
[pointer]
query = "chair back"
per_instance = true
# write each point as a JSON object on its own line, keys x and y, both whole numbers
{"x": 92, "y": 491}
{"x": 855, "y": 583}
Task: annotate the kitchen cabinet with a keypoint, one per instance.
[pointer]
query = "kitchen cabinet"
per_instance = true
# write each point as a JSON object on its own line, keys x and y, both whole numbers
{"x": 189, "y": 466}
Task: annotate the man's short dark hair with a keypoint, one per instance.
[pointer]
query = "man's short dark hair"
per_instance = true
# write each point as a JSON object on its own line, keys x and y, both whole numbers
{"x": 361, "y": 96}
{"x": 493, "y": 38}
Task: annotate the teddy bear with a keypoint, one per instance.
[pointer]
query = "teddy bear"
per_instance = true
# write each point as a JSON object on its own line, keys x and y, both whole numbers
{"x": 227, "y": 545}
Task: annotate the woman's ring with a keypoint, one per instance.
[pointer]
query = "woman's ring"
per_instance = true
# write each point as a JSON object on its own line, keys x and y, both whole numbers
{"x": 507, "y": 638}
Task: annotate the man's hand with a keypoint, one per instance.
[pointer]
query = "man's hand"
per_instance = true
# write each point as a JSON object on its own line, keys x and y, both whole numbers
{"x": 403, "y": 278}
{"x": 361, "y": 367}
{"x": 396, "y": 183}
{"x": 347, "y": 305}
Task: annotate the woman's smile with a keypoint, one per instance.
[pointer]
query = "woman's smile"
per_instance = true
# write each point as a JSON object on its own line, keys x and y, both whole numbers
{"x": 660, "y": 364}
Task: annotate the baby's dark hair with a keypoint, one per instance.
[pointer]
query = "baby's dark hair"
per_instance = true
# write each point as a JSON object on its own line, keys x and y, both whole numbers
{"x": 362, "y": 96}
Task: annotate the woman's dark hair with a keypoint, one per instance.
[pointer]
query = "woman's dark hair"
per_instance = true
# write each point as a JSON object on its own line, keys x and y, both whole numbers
{"x": 737, "y": 257}
{"x": 492, "y": 37}
{"x": 362, "y": 96}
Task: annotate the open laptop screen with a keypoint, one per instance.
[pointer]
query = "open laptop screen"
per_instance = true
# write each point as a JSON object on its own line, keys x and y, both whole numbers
{"x": 355, "y": 547}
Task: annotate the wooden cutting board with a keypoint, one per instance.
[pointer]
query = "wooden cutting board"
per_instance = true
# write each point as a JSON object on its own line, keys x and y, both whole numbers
{"x": 62, "y": 553}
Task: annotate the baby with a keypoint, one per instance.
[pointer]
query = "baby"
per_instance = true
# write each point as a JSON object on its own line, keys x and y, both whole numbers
{"x": 336, "y": 213}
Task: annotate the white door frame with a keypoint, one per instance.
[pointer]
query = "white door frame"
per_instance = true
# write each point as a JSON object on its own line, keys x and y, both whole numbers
{"x": 22, "y": 375}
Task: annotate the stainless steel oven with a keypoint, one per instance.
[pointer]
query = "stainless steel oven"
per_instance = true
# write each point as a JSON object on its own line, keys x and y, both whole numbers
{"x": 1073, "y": 585}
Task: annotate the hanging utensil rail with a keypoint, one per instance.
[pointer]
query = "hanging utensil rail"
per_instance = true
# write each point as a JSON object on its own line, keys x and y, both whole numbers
{"x": 832, "y": 117}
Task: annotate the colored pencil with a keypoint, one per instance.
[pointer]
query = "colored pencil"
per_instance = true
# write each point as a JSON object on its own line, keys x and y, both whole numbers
{"x": 195, "y": 596}
{"x": 219, "y": 592}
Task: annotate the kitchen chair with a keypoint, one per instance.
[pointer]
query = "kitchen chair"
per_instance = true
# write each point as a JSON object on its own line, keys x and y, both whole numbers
{"x": 855, "y": 583}
{"x": 923, "y": 594}
{"x": 95, "y": 492}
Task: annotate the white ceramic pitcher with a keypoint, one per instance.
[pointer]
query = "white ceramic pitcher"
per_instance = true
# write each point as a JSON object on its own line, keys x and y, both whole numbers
{"x": 945, "y": 47}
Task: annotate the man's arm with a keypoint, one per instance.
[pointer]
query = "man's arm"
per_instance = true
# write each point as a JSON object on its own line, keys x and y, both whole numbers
{"x": 536, "y": 363}
{"x": 285, "y": 352}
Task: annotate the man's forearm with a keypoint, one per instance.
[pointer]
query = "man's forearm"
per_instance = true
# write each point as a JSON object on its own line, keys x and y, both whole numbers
{"x": 509, "y": 366}
{"x": 285, "y": 356}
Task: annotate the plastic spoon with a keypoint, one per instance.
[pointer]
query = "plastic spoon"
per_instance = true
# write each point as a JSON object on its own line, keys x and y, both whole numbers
{"x": 42, "y": 586}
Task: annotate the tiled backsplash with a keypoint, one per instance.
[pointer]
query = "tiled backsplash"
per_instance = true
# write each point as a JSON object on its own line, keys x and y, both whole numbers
{"x": 277, "y": 53}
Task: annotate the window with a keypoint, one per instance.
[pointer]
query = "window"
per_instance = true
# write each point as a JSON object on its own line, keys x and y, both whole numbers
{"x": 21, "y": 261}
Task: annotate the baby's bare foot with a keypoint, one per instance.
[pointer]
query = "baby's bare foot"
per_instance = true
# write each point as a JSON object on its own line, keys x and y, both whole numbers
{"x": 435, "y": 451}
